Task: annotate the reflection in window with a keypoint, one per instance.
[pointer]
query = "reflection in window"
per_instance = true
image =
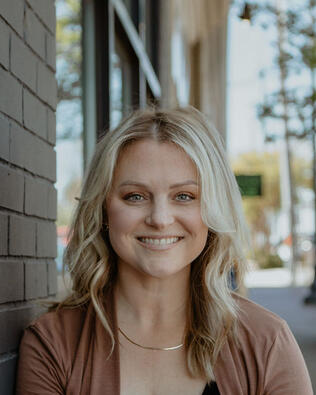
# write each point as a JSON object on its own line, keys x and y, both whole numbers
{"x": 121, "y": 83}
{"x": 129, "y": 6}
{"x": 116, "y": 90}
{"x": 68, "y": 115}
{"x": 180, "y": 69}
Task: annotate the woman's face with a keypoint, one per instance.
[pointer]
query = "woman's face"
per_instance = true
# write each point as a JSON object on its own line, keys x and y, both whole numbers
{"x": 153, "y": 209}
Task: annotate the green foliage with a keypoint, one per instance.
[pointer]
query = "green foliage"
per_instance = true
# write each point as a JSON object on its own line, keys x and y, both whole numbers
{"x": 303, "y": 172}
{"x": 258, "y": 209}
{"x": 309, "y": 55}
{"x": 68, "y": 49}
{"x": 295, "y": 53}
{"x": 69, "y": 59}
{"x": 64, "y": 215}
{"x": 67, "y": 205}
{"x": 267, "y": 261}
{"x": 266, "y": 164}
{"x": 290, "y": 111}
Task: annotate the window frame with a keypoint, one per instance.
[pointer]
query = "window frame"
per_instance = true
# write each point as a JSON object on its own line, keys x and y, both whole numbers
{"x": 104, "y": 22}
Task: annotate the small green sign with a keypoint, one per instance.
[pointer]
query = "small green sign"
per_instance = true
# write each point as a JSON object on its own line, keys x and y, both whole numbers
{"x": 249, "y": 185}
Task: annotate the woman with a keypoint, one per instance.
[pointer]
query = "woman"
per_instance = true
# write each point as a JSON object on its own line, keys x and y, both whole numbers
{"x": 156, "y": 234}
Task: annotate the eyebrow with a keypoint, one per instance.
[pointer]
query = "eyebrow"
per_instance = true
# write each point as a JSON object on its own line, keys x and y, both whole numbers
{"x": 139, "y": 184}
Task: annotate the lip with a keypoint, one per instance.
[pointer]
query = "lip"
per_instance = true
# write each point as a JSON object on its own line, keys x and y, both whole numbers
{"x": 159, "y": 237}
{"x": 159, "y": 247}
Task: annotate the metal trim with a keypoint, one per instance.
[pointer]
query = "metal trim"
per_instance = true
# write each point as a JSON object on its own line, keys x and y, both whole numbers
{"x": 138, "y": 47}
{"x": 88, "y": 82}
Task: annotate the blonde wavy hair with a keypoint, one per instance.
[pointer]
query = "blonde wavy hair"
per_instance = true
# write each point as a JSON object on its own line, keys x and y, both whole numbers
{"x": 91, "y": 260}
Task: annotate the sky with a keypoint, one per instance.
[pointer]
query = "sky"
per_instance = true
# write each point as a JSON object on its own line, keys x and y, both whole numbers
{"x": 244, "y": 89}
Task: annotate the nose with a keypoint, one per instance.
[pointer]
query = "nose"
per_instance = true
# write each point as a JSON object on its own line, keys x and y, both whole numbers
{"x": 160, "y": 215}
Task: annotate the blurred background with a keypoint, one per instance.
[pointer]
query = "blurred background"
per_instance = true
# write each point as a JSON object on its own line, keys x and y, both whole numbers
{"x": 251, "y": 67}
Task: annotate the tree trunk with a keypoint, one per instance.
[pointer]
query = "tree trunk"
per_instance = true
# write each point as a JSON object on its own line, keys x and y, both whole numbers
{"x": 311, "y": 298}
{"x": 283, "y": 76}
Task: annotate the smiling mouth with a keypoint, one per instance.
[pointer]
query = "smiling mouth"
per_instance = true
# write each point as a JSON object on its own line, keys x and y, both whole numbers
{"x": 159, "y": 241}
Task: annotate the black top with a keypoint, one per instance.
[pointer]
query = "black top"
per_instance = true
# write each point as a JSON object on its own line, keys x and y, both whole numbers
{"x": 211, "y": 389}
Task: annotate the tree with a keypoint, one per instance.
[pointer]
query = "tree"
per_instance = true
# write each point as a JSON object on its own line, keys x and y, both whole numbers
{"x": 291, "y": 105}
{"x": 68, "y": 51}
{"x": 295, "y": 54}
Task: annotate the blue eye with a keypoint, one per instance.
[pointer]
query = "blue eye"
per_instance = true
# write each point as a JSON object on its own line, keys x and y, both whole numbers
{"x": 184, "y": 197}
{"x": 134, "y": 197}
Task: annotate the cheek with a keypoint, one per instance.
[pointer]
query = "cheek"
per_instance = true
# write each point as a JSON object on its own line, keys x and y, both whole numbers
{"x": 121, "y": 218}
{"x": 196, "y": 225}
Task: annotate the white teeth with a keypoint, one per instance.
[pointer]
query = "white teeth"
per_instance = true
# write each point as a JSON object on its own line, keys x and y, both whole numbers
{"x": 148, "y": 240}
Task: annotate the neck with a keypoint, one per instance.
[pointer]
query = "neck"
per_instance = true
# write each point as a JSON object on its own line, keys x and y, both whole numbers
{"x": 151, "y": 303}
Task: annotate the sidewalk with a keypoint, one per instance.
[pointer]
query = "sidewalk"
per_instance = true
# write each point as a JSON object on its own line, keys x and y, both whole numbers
{"x": 277, "y": 278}
{"x": 288, "y": 303}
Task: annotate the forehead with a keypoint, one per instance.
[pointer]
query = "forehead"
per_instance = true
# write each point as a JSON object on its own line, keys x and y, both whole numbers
{"x": 150, "y": 160}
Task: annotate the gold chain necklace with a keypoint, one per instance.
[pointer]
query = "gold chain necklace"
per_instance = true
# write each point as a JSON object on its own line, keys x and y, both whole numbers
{"x": 150, "y": 348}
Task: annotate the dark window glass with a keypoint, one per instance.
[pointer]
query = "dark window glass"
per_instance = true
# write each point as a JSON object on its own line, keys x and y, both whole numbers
{"x": 121, "y": 83}
{"x": 151, "y": 27}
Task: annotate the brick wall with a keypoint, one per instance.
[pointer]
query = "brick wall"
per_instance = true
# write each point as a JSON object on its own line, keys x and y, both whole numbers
{"x": 27, "y": 170}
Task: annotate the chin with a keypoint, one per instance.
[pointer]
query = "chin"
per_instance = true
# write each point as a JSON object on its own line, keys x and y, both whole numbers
{"x": 164, "y": 272}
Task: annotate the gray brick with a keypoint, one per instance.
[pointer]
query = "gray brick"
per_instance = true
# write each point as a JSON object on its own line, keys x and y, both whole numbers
{"x": 47, "y": 85}
{"x": 43, "y": 160}
{"x": 46, "y": 240}
{"x": 19, "y": 146}
{"x": 46, "y": 161}
{"x": 12, "y": 281}
{"x": 15, "y": 319}
{"x": 4, "y": 139}
{"x": 31, "y": 153}
{"x": 51, "y": 126}
{"x": 3, "y": 234}
{"x": 22, "y": 236}
{"x": 52, "y": 277}
{"x": 35, "y": 279}
{"x": 23, "y": 62}
{"x": 11, "y": 189}
{"x": 51, "y": 51}
{"x": 4, "y": 45}
{"x": 8, "y": 365}
{"x": 52, "y": 203}
{"x": 13, "y": 12}
{"x": 34, "y": 33}
{"x": 36, "y": 197}
{"x": 10, "y": 104}
{"x": 46, "y": 11}
{"x": 34, "y": 114}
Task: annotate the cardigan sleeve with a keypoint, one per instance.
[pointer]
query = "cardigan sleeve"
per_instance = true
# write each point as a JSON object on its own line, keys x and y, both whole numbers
{"x": 40, "y": 368}
{"x": 286, "y": 372}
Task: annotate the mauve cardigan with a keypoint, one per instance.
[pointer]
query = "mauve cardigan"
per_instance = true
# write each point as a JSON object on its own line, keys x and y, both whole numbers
{"x": 66, "y": 353}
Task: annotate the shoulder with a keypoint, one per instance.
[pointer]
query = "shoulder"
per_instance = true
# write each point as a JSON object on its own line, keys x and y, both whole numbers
{"x": 47, "y": 350}
{"x": 258, "y": 327}
{"x": 60, "y": 321}
{"x": 59, "y": 332}
{"x": 255, "y": 319}
{"x": 267, "y": 343}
